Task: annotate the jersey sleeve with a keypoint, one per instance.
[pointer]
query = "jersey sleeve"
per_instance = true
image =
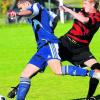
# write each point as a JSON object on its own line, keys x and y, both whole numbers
{"x": 52, "y": 18}
{"x": 35, "y": 9}
{"x": 93, "y": 19}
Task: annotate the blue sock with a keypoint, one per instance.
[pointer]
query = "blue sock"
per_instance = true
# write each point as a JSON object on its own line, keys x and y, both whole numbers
{"x": 74, "y": 71}
{"x": 91, "y": 73}
{"x": 23, "y": 88}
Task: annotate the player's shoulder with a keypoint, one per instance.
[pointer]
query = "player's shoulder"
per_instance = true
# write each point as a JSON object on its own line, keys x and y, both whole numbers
{"x": 36, "y": 5}
{"x": 97, "y": 13}
{"x": 35, "y": 9}
{"x": 97, "y": 16}
{"x": 94, "y": 15}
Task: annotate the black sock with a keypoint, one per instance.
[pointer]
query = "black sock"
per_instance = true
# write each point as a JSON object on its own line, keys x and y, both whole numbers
{"x": 92, "y": 86}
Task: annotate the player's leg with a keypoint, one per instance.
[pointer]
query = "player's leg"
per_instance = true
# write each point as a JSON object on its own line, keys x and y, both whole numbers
{"x": 93, "y": 82}
{"x": 54, "y": 61}
{"x": 52, "y": 57}
{"x": 76, "y": 71}
{"x": 55, "y": 65}
{"x": 35, "y": 64}
{"x": 95, "y": 66}
{"x": 29, "y": 70}
{"x": 81, "y": 55}
{"x": 68, "y": 70}
{"x": 57, "y": 69}
{"x": 65, "y": 54}
{"x": 25, "y": 83}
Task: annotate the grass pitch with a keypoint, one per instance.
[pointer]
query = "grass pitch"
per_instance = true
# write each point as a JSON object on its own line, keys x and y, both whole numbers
{"x": 17, "y": 46}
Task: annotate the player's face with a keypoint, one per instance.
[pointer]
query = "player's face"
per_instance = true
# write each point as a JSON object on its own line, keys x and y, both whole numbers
{"x": 24, "y": 5}
{"x": 88, "y": 4}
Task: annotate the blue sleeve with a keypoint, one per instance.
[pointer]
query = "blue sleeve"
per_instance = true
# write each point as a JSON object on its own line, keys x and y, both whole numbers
{"x": 35, "y": 9}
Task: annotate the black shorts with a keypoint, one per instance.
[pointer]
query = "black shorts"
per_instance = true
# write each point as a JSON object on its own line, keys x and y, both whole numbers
{"x": 74, "y": 52}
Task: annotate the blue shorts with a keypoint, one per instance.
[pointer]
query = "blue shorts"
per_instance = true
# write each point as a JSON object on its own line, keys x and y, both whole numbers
{"x": 47, "y": 52}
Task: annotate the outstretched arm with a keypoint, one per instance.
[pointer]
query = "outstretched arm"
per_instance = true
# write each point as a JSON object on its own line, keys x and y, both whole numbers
{"x": 32, "y": 10}
{"x": 24, "y": 13}
{"x": 77, "y": 16}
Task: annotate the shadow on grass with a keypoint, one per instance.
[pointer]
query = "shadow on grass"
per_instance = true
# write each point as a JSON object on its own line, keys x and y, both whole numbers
{"x": 97, "y": 98}
{"x": 79, "y": 99}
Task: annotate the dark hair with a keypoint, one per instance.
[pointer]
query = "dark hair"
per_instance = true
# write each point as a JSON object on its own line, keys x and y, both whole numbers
{"x": 96, "y": 4}
{"x": 23, "y": 1}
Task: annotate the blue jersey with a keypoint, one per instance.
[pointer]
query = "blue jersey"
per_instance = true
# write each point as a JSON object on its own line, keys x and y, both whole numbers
{"x": 42, "y": 20}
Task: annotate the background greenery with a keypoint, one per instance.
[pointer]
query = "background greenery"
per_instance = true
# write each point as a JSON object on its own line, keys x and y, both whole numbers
{"x": 17, "y": 46}
{"x": 78, "y": 2}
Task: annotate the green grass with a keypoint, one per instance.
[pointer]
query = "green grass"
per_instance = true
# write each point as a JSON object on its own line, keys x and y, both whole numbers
{"x": 75, "y": 3}
{"x": 17, "y": 46}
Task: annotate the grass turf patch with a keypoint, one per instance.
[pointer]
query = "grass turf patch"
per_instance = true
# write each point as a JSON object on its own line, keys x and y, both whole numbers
{"x": 17, "y": 46}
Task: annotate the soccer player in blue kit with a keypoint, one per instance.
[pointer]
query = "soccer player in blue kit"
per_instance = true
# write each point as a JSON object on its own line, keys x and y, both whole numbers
{"x": 47, "y": 47}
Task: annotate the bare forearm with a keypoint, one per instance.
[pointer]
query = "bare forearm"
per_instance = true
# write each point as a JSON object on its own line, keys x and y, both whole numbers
{"x": 24, "y": 13}
{"x": 78, "y": 16}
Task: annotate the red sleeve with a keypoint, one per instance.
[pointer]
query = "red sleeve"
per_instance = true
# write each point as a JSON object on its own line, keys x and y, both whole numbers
{"x": 93, "y": 19}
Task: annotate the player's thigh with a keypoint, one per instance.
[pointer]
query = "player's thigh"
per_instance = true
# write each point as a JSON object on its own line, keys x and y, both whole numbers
{"x": 38, "y": 61}
{"x": 55, "y": 66}
{"x": 83, "y": 58}
{"x": 29, "y": 70}
{"x": 50, "y": 54}
{"x": 90, "y": 62}
{"x": 54, "y": 60}
{"x": 35, "y": 64}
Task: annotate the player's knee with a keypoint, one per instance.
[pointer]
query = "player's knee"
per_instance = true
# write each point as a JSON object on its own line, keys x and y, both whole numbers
{"x": 95, "y": 66}
{"x": 96, "y": 75}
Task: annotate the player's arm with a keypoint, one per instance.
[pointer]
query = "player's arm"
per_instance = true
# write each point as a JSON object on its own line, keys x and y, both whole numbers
{"x": 77, "y": 16}
{"x": 31, "y": 10}
{"x": 24, "y": 13}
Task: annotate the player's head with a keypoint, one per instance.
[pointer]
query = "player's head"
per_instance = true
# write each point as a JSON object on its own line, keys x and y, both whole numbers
{"x": 23, "y": 4}
{"x": 90, "y": 4}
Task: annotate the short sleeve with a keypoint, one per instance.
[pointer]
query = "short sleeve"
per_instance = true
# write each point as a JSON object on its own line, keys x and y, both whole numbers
{"x": 93, "y": 19}
{"x": 35, "y": 8}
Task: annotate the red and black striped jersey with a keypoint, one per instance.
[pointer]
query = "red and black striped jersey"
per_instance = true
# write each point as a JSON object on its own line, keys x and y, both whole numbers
{"x": 84, "y": 32}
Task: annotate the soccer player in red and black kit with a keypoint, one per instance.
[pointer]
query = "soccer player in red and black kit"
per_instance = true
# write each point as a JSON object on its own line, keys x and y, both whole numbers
{"x": 74, "y": 45}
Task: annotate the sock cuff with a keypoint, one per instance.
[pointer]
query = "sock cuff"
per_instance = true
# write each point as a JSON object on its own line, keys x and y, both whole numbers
{"x": 25, "y": 80}
{"x": 64, "y": 70}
